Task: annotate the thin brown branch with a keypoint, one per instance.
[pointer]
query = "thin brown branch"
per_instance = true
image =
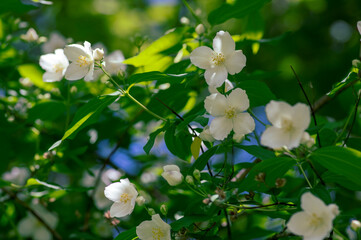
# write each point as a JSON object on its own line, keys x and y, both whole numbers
{"x": 55, "y": 234}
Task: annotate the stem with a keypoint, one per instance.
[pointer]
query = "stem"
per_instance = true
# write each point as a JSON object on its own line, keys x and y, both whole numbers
{"x": 192, "y": 12}
{"x": 353, "y": 120}
{"x": 255, "y": 117}
{"x": 126, "y": 93}
{"x": 304, "y": 174}
{"x": 339, "y": 233}
{"x": 229, "y": 231}
{"x": 67, "y": 108}
{"x": 309, "y": 103}
{"x": 35, "y": 214}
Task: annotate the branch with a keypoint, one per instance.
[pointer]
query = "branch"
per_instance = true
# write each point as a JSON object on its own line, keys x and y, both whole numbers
{"x": 55, "y": 234}
{"x": 353, "y": 120}
{"x": 309, "y": 104}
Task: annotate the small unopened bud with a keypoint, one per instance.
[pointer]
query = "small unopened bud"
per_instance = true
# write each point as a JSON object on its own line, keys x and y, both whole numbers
{"x": 107, "y": 215}
{"x": 280, "y": 182}
{"x": 206, "y": 201}
{"x": 151, "y": 211}
{"x": 140, "y": 200}
{"x": 200, "y": 29}
{"x": 307, "y": 140}
{"x": 356, "y": 63}
{"x": 355, "y": 225}
{"x": 189, "y": 180}
{"x": 197, "y": 174}
{"x": 184, "y": 20}
{"x": 98, "y": 54}
{"x": 164, "y": 209}
{"x": 260, "y": 177}
{"x": 221, "y": 193}
{"x": 30, "y": 36}
{"x": 115, "y": 222}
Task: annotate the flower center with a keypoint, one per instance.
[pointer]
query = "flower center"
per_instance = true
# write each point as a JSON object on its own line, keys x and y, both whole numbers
{"x": 58, "y": 68}
{"x": 315, "y": 220}
{"x": 230, "y": 112}
{"x": 286, "y": 124}
{"x": 157, "y": 233}
{"x": 124, "y": 198}
{"x": 218, "y": 58}
{"x": 83, "y": 61}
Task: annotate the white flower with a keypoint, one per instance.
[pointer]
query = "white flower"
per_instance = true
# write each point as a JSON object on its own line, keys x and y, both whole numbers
{"x": 227, "y": 85}
{"x": 172, "y": 175}
{"x": 31, "y": 227}
{"x": 154, "y": 229}
{"x": 17, "y": 175}
{"x": 355, "y": 225}
{"x": 55, "y": 41}
{"x": 315, "y": 221}
{"x": 200, "y": 29}
{"x": 220, "y": 61}
{"x": 55, "y": 65}
{"x": 229, "y": 114}
{"x": 359, "y": 27}
{"x": 288, "y": 124}
{"x": 30, "y": 35}
{"x": 123, "y": 194}
{"x": 82, "y": 62}
{"x": 114, "y": 62}
{"x": 307, "y": 139}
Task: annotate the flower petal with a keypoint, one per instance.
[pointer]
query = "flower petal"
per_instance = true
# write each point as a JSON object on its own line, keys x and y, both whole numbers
{"x": 216, "y": 76}
{"x": 312, "y": 204}
{"x": 48, "y": 61}
{"x": 41, "y": 233}
{"x": 275, "y": 110}
{"x": 90, "y": 75}
{"x": 119, "y": 209}
{"x": 299, "y": 224}
{"x": 238, "y": 99}
{"x": 220, "y": 127}
{"x": 75, "y": 72}
{"x": 275, "y": 138}
{"x": 235, "y": 62}
{"x": 223, "y": 43}
{"x": 167, "y": 168}
{"x": 216, "y": 104}
{"x": 52, "y": 76}
{"x": 243, "y": 123}
{"x": 73, "y": 51}
{"x": 301, "y": 116}
{"x": 201, "y": 57}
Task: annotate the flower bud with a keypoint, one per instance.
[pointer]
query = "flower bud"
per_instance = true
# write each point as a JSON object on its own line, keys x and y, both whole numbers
{"x": 184, "y": 20}
{"x": 151, "y": 211}
{"x": 356, "y": 63}
{"x": 307, "y": 140}
{"x": 355, "y": 225}
{"x": 164, "y": 209}
{"x": 197, "y": 174}
{"x": 98, "y": 54}
{"x": 359, "y": 27}
{"x": 30, "y": 36}
{"x": 172, "y": 175}
{"x": 140, "y": 200}
{"x": 189, "y": 180}
{"x": 206, "y": 201}
{"x": 200, "y": 29}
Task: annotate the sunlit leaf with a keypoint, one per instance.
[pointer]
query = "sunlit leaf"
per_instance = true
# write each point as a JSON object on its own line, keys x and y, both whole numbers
{"x": 35, "y": 75}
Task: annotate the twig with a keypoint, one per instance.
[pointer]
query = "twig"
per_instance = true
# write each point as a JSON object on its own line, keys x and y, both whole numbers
{"x": 309, "y": 103}
{"x": 55, "y": 234}
{"x": 353, "y": 120}
{"x": 317, "y": 174}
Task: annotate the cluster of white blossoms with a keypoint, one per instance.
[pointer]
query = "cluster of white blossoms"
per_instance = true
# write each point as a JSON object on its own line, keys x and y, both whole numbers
{"x": 124, "y": 195}
{"x": 82, "y": 63}
{"x": 315, "y": 221}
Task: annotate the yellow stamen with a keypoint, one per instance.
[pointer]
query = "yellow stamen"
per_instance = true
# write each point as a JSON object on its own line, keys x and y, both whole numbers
{"x": 286, "y": 124}
{"x": 218, "y": 58}
{"x": 230, "y": 112}
{"x": 82, "y": 61}
{"x": 315, "y": 220}
{"x": 157, "y": 233}
{"x": 58, "y": 68}
{"x": 124, "y": 198}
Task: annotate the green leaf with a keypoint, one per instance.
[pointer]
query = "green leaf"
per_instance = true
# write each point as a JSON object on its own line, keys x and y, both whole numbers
{"x": 238, "y": 9}
{"x": 148, "y": 146}
{"x": 327, "y": 137}
{"x": 155, "y": 55}
{"x": 34, "y": 181}
{"x": 186, "y": 221}
{"x": 352, "y": 76}
{"x": 201, "y": 162}
{"x": 33, "y": 72}
{"x": 159, "y": 77}
{"x": 258, "y": 92}
{"x": 46, "y": 111}
{"x": 179, "y": 145}
{"x": 88, "y": 114}
{"x": 257, "y": 151}
{"x": 127, "y": 235}
{"x": 196, "y": 147}
{"x": 272, "y": 168}
{"x": 14, "y": 6}
{"x": 343, "y": 161}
